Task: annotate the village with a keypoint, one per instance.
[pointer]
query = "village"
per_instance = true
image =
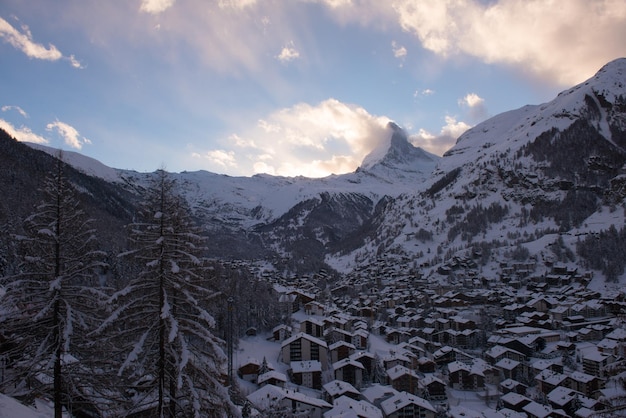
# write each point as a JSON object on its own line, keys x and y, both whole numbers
{"x": 541, "y": 340}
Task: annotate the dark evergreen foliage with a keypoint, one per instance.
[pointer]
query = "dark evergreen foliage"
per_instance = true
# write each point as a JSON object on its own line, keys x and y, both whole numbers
{"x": 443, "y": 182}
{"x": 477, "y": 221}
{"x": 605, "y": 251}
{"x": 53, "y": 300}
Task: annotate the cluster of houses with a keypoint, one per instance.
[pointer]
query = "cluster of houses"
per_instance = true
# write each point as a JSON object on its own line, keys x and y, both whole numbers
{"x": 383, "y": 343}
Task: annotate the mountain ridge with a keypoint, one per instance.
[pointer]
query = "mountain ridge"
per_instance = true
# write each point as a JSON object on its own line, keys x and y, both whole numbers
{"x": 535, "y": 178}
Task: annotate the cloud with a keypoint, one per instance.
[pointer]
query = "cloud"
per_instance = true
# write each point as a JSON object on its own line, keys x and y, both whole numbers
{"x": 425, "y": 92}
{"x": 444, "y": 140}
{"x": 69, "y": 134}
{"x": 16, "y": 108}
{"x": 560, "y": 41}
{"x": 309, "y": 140}
{"x": 288, "y": 53}
{"x": 221, "y": 158}
{"x": 236, "y": 4}
{"x": 476, "y": 105}
{"x": 23, "y": 133}
{"x": 398, "y": 50}
{"x": 23, "y": 41}
{"x": 155, "y": 6}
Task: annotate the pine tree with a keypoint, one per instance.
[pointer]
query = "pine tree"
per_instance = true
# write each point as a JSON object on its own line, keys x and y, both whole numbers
{"x": 161, "y": 324}
{"x": 51, "y": 303}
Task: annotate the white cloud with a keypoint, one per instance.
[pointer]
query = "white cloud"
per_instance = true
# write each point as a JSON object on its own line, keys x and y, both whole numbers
{"x": 444, "y": 140}
{"x": 75, "y": 63}
{"x": 309, "y": 140}
{"x": 425, "y": 92}
{"x": 288, "y": 53}
{"x": 69, "y": 134}
{"x": 155, "y": 6}
{"x": 23, "y": 133}
{"x": 476, "y": 105}
{"x": 16, "y": 108}
{"x": 221, "y": 158}
{"x": 24, "y": 42}
{"x": 236, "y": 4}
{"x": 398, "y": 50}
{"x": 561, "y": 41}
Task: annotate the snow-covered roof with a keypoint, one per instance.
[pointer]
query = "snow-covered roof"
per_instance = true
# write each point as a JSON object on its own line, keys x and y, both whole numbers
{"x": 403, "y": 399}
{"x": 345, "y": 407}
{"x": 338, "y": 387}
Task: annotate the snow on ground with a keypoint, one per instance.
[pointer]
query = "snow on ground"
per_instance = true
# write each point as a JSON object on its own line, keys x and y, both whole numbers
{"x": 11, "y": 408}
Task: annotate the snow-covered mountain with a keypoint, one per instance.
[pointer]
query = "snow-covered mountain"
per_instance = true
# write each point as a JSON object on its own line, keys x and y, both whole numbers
{"x": 273, "y": 216}
{"x": 512, "y": 186}
{"x": 522, "y": 180}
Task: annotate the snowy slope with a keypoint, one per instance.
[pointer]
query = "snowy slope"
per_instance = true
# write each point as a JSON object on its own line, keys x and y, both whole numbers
{"x": 263, "y": 198}
{"x": 499, "y": 164}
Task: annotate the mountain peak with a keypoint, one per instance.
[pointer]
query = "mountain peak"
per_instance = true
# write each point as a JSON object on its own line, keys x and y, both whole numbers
{"x": 397, "y": 152}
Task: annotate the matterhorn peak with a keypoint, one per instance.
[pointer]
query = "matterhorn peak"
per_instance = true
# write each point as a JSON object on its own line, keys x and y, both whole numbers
{"x": 396, "y": 152}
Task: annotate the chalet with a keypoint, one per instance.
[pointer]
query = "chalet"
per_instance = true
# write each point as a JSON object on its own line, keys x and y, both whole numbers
{"x": 345, "y": 406}
{"x": 312, "y": 327}
{"x": 514, "y": 401}
{"x": 272, "y": 378}
{"x": 537, "y": 410}
{"x": 403, "y": 379}
{"x": 463, "y": 376}
{"x": 360, "y": 338}
{"x": 426, "y": 365}
{"x": 406, "y": 405}
{"x": 303, "y": 347}
{"x": 350, "y": 371}
{"x": 314, "y": 308}
{"x": 338, "y": 388}
{"x": 281, "y": 332}
{"x": 595, "y": 362}
{"x": 547, "y": 380}
{"x": 510, "y": 385}
{"x": 307, "y": 373}
{"x": 340, "y": 350}
{"x": 249, "y": 371}
{"x": 377, "y": 393}
{"x": 273, "y": 398}
{"x": 367, "y": 359}
{"x": 434, "y": 387}
{"x": 584, "y": 383}
{"x": 510, "y": 369}
{"x": 570, "y": 401}
{"x": 499, "y": 352}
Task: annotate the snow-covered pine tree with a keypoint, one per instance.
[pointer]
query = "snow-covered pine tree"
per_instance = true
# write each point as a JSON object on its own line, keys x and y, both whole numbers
{"x": 51, "y": 303}
{"x": 160, "y": 322}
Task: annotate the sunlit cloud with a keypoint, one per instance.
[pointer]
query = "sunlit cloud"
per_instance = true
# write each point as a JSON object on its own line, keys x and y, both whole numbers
{"x": 23, "y": 133}
{"x": 221, "y": 158}
{"x": 288, "y": 53}
{"x": 236, "y": 4}
{"x": 70, "y": 135}
{"x": 398, "y": 50}
{"x": 16, "y": 108}
{"x": 442, "y": 141}
{"x": 23, "y": 41}
{"x": 330, "y": 137}
{"x": 476, "y": 106}
{"x": 155, "y": 6}
{"x": 563, "y": 42}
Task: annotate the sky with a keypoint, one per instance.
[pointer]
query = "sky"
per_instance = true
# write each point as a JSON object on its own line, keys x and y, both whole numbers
{"x": 284, "y": 87}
